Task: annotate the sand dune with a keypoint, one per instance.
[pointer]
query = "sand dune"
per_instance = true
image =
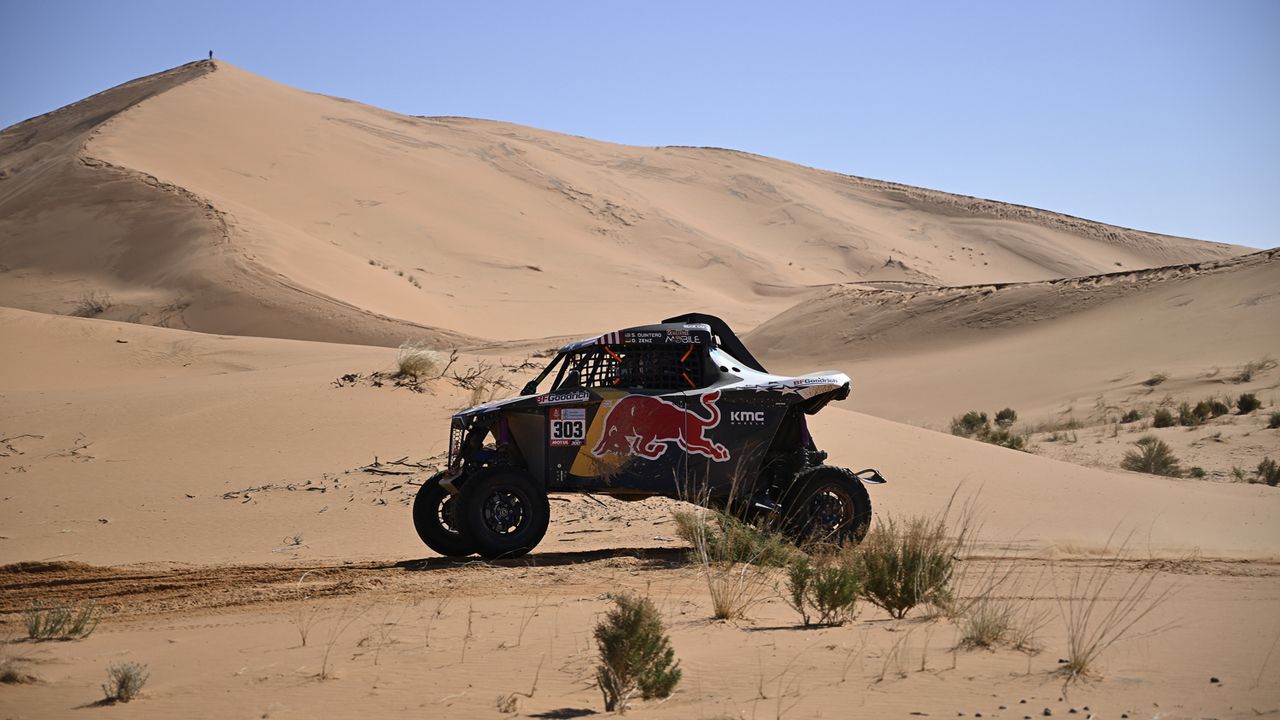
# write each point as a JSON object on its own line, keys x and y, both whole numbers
{"x": 925, "y": 355}
{"x": 210, "y": 198}
{"x": 185, "y": 459}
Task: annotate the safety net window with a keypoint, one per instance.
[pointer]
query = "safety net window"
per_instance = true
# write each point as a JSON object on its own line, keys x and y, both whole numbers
{"x": 660, "y": 367}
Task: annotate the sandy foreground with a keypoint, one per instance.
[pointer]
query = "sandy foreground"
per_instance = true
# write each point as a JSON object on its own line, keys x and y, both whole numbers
{"x": 205, "y": 490}
{"x": 188, "y": 457}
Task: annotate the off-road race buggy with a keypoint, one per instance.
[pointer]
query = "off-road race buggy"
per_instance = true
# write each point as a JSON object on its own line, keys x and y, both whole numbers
{"x": 680, "y": 409}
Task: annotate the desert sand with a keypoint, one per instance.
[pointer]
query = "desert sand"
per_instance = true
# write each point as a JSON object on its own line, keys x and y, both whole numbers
{"x": 183, "y": 453}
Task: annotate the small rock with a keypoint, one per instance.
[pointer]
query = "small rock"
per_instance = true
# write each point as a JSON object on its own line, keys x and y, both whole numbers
{"x": 1123, "y": 716}
{"x": 1072, "y": 711}
{"x": 122, "y": 342}
{"x": 1003, "y": 707}
{"x": 1063, "y": 661}
{"x": 1214, "y": 680}
{"x": 977, "y": 714}
{"x": 1023, "y": 701}
{"x": 1047, "y": 712}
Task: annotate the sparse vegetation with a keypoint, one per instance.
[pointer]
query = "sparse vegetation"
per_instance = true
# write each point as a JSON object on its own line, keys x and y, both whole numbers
{"x": 970, "y": 424}
{"x": 1099, "y": 609}
{"x": 1188, "y": 417}
{"x": 12, "y": 674}
{"x": 418, "y": 361}
{"x": 1153, "y": 456}
{"x": 910, "y": 562}
{"x": 735, "y": 559}
{"x": 824, "y": 590}
{"x": 1274, "y": 421}
{"x": 125, "y": 681}
{"x": 1268, "y": 472}
{"x": 1197, "y": 472}
{"x": 1155, "y": 379}
{"x": 1162, "y": 418}
{"x": 1133, "y": 415}
{"x": 1252, "y": 368}
{"x": 992, "y": 621}
{"x": 975, "y": 425}
{"x": 728, "y": 539}
{"x": 1247, "y": 403}
{"x": 60, "y": 622}
{"x": 635, "y": 654}
{"x": 92, "y": 304}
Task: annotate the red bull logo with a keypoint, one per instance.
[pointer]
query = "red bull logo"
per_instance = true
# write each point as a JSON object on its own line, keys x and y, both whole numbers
{"x": 645, "y": 426}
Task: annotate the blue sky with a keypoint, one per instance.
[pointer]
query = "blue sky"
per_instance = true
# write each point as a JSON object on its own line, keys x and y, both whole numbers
{"x": 1163, "y": 116}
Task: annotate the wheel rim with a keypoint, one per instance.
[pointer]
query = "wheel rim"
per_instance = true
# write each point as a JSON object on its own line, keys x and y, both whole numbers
{"x": 830, "y": 511}
{"x": 503, "y": 512}
{"x": 444, "y": 514}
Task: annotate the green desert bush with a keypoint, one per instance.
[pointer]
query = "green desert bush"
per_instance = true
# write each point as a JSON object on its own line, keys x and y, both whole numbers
{"x": 636, "y": 657}
{"x": 1197, "y": 472}
{"x": 1247, "y": 403}
{"x": 975, "y": 425}
{"x": 60, "y": 622}
{"x": 1274, "y": 421}
{"x": 970, "y": 424}
{"x": 125, "y": 681}
{"x": 1162, "y": 418}
{"x": 1268, "y": 472}
{"x": 1187, "y": 417}
{"x": 418, "y": 361}
{"x": 1131, "y": 416}
{"x": 1152, "y": 456}
{"x": 728, "y": 539}
{"x": 1004, "y": 438}
{"x": 824, "y": 590}
{"x": 910, "y": 562}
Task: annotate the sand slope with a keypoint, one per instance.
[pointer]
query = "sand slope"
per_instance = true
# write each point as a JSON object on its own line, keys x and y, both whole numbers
{"x": 151, "y": 434}
{"x": 210, "y": 198}
{"x": 1058, "y": 347}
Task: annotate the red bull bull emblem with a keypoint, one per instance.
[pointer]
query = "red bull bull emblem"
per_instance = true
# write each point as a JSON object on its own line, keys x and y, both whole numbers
{"x": 645, "y": 426}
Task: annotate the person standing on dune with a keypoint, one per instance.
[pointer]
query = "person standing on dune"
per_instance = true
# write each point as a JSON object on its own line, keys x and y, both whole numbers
{"x": 211, "y": 55}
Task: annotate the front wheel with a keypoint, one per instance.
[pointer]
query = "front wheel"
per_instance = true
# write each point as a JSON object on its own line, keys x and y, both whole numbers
{"x": 502, "y": 512}
{"x": 434, "y": 519}
{"x": 827, "y": 504}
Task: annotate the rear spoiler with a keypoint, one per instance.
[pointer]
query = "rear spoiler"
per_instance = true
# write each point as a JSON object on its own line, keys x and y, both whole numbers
{"x": 728, "y": 338}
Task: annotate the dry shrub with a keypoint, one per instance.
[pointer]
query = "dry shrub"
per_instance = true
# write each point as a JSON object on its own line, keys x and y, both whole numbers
{"x": 635, "y": 654}
{"x": 1268, "y": 472}
{"x": 92, "y": 304}
{"x": 1100, "y": 608}
{"x": 125, "y": 681}
{"x": 416, "y": 360}
{"x": 732, "y": 556}
{"x": 1153, "y": 456}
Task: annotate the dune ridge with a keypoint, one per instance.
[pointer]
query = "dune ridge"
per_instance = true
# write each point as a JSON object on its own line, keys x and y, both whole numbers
{"x": 210, "y": 198}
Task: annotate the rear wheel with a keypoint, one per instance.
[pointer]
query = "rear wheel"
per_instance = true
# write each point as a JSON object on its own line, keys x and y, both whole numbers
{"x": 827, "y": 504}
{"x": 434, "y": 519}
{"x": 502, "y": 512}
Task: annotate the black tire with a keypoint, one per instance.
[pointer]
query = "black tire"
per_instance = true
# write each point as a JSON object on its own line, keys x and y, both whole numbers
{"x": 827, "y": 504}
{"x": 502, "y": 512}
{"x": 434, "y": 519}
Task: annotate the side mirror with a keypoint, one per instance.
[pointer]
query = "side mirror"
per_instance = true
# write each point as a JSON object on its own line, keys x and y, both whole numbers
{"x": 529, "y": 388}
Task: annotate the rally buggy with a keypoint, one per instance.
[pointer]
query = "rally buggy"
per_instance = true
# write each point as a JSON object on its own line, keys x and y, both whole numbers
{"x": 680, "y": 409}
